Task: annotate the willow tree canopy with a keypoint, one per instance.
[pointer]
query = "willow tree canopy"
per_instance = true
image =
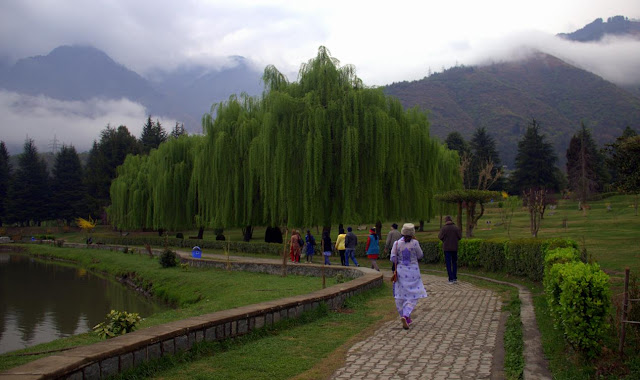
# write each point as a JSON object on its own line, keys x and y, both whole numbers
{"x": 325, "y": 149}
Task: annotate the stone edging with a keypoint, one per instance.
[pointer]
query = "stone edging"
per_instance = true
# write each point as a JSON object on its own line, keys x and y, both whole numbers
{"x": 109, "y": 357}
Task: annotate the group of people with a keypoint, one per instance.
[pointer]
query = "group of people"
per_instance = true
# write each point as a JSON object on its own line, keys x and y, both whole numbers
{"x": 405, "y": 252}
{"x": 345, "y": 245}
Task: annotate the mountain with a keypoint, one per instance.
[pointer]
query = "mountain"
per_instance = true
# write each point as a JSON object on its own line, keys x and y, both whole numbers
{"x": 505, "y": 97}
{"x": 618, "y": 26}
{"x": 78, "y": 73}
{"x": 82, "y": 73}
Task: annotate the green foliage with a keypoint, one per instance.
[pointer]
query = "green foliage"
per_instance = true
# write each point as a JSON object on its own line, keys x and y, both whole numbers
{"x": 561, "y": 256}
{"x": 28, "y": 194}
{"x": 469, "y": 252}
{"x": 491, "y": 255}
{"x": 118, "y": 323}
{"x": 483, "y": 150}
{"x": 318, "y": 151}
{"x": 535, "y": 162}
{"x": 153, "y": 134}
{"x": 104, "y": 157}
{"x": 168, "y": 259}
{"x": 579, "y": 299}
{"x": 68, "y": 191}
{"x": 432, "y": 250}
{"x": 586, "y": 170}
{"x": 524, "y": 257}
{"x": 5, "y": 176}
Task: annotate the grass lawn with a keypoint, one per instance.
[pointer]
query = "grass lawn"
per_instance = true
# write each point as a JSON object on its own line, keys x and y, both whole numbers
{"x": 193, "y": 292}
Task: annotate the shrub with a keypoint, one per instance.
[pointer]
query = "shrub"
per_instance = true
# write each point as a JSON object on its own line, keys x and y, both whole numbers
{"x": 579, "y": 299}
{"x": 59, "y": 243}
{"x": 560, "y": 256}
{"x": 492, "y": 254}
{"x": 168, "y": 258}
{"x": 524, "y": 257}
{"x": 118, "y": 323}
{"x": 469, "y": 252}
{"x": 432, "y": 249}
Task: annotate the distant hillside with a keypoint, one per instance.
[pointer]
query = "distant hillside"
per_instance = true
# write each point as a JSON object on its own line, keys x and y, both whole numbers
{"x": 505, "y": 97}
{"x": 82, "y": 73}
{"x": 618, "y": 25}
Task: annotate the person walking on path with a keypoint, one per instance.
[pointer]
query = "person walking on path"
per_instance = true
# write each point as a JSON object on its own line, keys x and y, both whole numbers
{"x": 310, "y": 247}
{"x": 340, "y": 245}
{"x": 408, "y": 287}
{"x": 450, "y": 234}
{"x": 295, "y": 246}
{"x": 326, "y": 247}
{"x": 373, "y": 248}
{"x": 350, "y": 242}
{"x": 392, "y": 237}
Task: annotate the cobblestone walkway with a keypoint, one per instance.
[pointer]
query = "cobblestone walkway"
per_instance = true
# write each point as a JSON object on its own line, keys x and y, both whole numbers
{"x": 453, "y": 336}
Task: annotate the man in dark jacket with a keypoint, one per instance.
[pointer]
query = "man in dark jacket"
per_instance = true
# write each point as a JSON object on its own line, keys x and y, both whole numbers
{"x": 350, "y": 242}
{"x": 450, "y": 235}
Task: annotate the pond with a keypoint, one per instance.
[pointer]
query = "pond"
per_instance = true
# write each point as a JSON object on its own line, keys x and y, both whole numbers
{"x": 41, "y": 301}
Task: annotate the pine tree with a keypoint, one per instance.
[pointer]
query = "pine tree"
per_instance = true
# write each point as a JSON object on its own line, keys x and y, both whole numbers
{"x": 67, "y": 187}
{"x": 535, "y": 162}
{"x": 29, "y": 189}
{"x": 5, "y": 179}
{"x": 585, "y": 165}
{"x": 104, "y": 157}
{"x": 178, "y": 130}
{"x": 484, "y": 154}
{"x": 624, "y": 158}
{"x": 455, "y": 141}
{"x": 153, "y": 134}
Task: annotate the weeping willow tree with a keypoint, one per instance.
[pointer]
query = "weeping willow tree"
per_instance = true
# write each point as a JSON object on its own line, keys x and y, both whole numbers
{"x": 155, "y": 191}
{"x": 322, "y": 150}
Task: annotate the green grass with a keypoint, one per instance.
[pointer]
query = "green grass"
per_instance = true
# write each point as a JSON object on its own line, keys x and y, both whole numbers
{"x": 193, "y": 292}
{"x": 311, "y": 347}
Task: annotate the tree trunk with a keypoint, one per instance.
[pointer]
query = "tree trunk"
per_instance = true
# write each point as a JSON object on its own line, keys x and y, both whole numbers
{"x": 379, "y": 229}
{"x": 459, "y": 218}
{"x": 247, "y": 233}
{"x": 421, "y": 229}
{"x": 200, "y": 232}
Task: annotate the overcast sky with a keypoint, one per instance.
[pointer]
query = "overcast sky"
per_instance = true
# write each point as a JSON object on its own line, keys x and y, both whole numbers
{"x": 386, "y": 41}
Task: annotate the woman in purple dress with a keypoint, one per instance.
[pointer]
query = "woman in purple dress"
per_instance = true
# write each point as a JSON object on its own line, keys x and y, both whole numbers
{"x": 408, "y": 288}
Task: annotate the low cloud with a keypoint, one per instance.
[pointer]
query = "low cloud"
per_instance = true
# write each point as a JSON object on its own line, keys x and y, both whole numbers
{"x": 77, "y": 123}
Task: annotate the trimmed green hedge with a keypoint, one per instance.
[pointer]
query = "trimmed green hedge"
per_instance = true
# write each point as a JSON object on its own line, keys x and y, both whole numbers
{"x": 579, "y": 298}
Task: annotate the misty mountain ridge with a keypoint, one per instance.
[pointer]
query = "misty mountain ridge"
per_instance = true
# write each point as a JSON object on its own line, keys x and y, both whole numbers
{"x": 595, "y": 31}
{"x": 505, "y": 97}
{"x": 82, "y": 72}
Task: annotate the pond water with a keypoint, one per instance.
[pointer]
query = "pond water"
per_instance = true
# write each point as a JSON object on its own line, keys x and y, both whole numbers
{"x": 41, "y": 301}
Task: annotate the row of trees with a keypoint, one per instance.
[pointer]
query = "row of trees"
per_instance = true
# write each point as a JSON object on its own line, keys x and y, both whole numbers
{"x": 320, "y": 151}
{"x": 32, "y": 194}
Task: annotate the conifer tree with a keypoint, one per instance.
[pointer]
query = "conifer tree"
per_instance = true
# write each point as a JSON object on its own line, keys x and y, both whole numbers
{"x": 585, "y": 165}
{"x": 535, "y": 162}
{"x": 153, "y": 134}
{"x": 455, "y": 141}
{"x": 5, "y": 179}
{"x": 483, "y": 153}
{"x": 104, "y": 157}
{"x": 67, "y": 187}
{"x": 29, "y": 189}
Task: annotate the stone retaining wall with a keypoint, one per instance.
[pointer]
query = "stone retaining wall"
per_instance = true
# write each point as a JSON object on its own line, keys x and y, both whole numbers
{"x": 109, "y": 357}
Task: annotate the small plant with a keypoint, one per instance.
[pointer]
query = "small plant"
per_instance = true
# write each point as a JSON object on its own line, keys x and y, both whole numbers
{"x": 168, "y": 258}
{"x": 59, "y": 243}
{"x": 118, "y": 323}
{"x": 341, "y": 278}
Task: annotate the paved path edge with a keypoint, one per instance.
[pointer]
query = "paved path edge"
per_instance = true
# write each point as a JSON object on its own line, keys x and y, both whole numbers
{"x": 536, "y": 366}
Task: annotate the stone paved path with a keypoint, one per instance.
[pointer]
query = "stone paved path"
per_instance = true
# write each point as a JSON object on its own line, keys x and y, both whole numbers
{"x": 453, "y": 336}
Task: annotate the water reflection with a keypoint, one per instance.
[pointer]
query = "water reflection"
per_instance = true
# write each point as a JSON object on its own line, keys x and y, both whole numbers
{"x": 43, "y": 301}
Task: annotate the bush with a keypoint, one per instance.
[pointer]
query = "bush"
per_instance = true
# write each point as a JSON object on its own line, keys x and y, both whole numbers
{"x": 168, "y": 259}
{"x": 579, "y": 299}
{"x": 469, "y": 252}
{"x": 524, "y": 257}
{"x": 560, "y": 256}
{"x": 59, "y": 243}
{"x": 118, "y": 323}
{"x": 492, "y": 254}
{"x": 432, "y": 249}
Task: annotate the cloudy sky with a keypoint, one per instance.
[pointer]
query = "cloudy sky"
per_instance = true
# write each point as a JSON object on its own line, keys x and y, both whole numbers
{"x": 386, "y": 41}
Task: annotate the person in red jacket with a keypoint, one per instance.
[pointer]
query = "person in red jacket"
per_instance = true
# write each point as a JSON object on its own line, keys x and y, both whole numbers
{"x": 450, "y": 235}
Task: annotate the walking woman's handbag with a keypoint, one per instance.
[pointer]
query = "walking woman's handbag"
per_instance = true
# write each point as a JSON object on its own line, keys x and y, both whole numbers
{"x": 394, "y": 277}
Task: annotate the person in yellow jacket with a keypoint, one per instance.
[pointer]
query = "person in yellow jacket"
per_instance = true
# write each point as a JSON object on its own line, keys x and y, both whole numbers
{"x": 340, "y": 245}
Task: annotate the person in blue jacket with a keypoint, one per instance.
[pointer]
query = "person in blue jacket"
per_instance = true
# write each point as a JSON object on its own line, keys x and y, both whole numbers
{"x": 373, "y": 248}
